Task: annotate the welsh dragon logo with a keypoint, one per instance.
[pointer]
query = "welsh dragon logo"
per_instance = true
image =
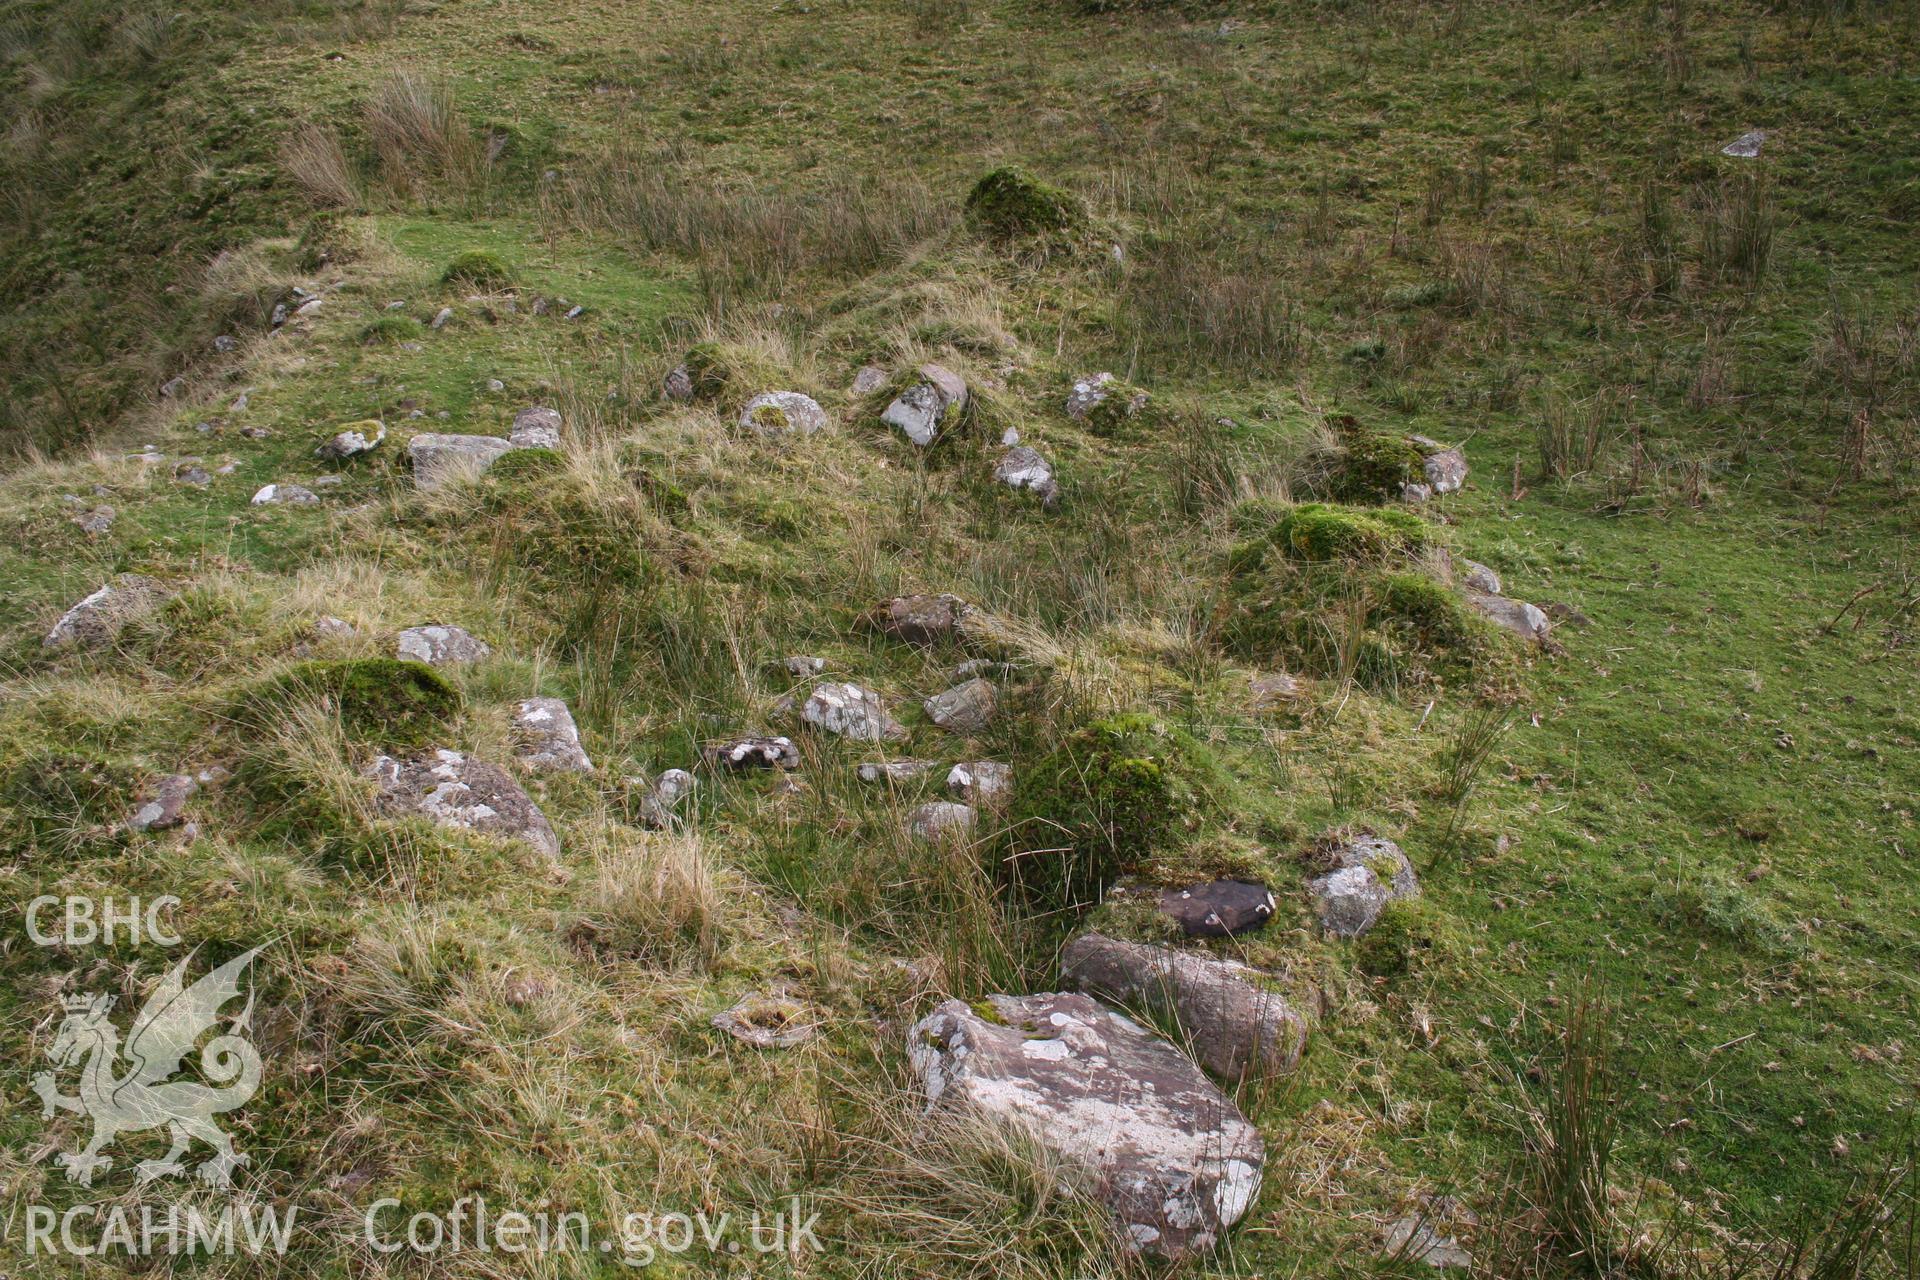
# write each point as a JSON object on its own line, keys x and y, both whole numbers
{"x": 142, "y": 1096}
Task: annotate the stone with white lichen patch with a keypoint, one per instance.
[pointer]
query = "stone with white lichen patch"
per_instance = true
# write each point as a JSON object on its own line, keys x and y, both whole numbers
{"x": 448, "y": 789}
{"x": 549, "y": 740}
{"x": 1167, "y": 1152}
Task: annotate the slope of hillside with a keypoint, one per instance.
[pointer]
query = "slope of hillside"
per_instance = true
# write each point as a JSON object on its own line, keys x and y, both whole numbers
{"x": 1686, "y": 382}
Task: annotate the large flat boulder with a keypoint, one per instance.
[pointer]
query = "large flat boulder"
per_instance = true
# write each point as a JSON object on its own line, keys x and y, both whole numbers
{"x": 450, "y": 790}
{"x": 1164, "y": 1149}
{"x": 850, "y": 711}
{"x": 1238, "y": 1029}
{"x": 100, "y": 617}
{"x": 443, "y": 459}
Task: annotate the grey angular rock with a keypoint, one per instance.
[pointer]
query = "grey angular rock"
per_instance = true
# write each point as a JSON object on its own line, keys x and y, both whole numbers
{"x": 1480, "y": 578}
{"x": 328, "y": 627}
{"x": 293, "y": 495}
{"x": 895, "y": 770}
{"x": 1517, "y": 616}
{"x": 225, "y": 344}
{"x": 1446, "y": 470}
{"x": 1271, "y": 688}
{"x": 101, "y": 616}
{"x": 1165, "y": 1151}
{"x": 1425, "y": 1235}
{"x": 869, "y": 379}
{"x": 850, "y": 711}
{"x": 450, "y": 790}
{"x": 940, "y": 819}
{"x": 192, "y": 474}
{"x": 1747, "y": 146}
{"x": 781, "y": 412}
{"x": 173, "y": 387}
{"x": 441, "y": 318}
{"x": 549, "y": 739}
{"x": 95, "y": 521}
{"x": 965, "y": 708}
{"x": 927, "y": 406}
{"x": 678, "y": 385}
{"x": 1024, "y": 468}
{"x": 804, "y": 665}
{"x": 165, "y": 806}
{"x": 435, "y": 644}
{"x": 352, "y": 441}
{"x": 743, "y": 754}
{"x": 984, "y": 783}
{"x": 535, "y": 428}
{"x": 920, "y": 619}
{"x": 1219, "y": 908}
{"x": 1089, "y": 393}
{"x": 660, "y": 806}
{"x": 1363, "y": 876}
{"x": 1238, "y": 1030}
{"x": 768, "y": 1021}
{"x": 440, "y": 459}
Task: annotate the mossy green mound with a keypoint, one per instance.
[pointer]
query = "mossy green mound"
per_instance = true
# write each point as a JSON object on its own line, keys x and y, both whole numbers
{"x": 1375, "y": 466}
{"x": 63, "y": 803}
{"x": 385, "y": 701}
{"x": 1320, "y": 531}
{"x": 1409, "y": 934}
{"x": 391, "y": 331}
{"x": 1009, "y": 202}
{"x": 478, "y": 269}
{"x": 1109, "y": 797}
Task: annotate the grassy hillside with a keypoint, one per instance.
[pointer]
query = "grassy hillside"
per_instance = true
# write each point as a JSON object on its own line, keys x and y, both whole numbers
{"x": 1687, "y": 383}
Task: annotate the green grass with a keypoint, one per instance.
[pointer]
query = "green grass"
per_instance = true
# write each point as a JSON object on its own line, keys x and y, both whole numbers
{"x": 1502, "y": 226}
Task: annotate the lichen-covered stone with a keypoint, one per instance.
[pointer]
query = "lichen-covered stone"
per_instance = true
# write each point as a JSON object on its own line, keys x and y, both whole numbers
{"x": 850, "y": 711}
{"x": 1517, "y": 616}
{"x": 452, "y": 791}
{"x": 981, "y": 782}
{"x": 352, "y": 439}
{"x": 740, "y": 755}
{"x": 924, "y": 409}
{"x": 549, "y": 739}
{"x": 1169, "y": 1155}
{"x": 895, "y": 770}
{"x": 535, "y": 427}
{"x": 1219, "y": 908}
{"x": 776, "y": 413}
{"x": 165, "y": 805}
{"x": 274, "y": 495}
{"x": 100, "y": 617}
{"x": 1477, "y": 577}
{"x": 965, "y": 708}
{"x": 1025, "y": 468}
{"x": 920, "y": 619}
{"x": 442, "y": 459}
{"x": 435, "y": 644}
{"x": 660, "y": 807}
{"x": 939, "y": 820}
{"x": 1238, "y": 1029}
{"x": 1364, "y": 874}
{"x": 768, "y": 1021}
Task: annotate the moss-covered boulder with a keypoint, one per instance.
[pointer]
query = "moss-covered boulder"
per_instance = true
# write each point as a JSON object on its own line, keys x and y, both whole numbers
{"x": 1009, "y": 203}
